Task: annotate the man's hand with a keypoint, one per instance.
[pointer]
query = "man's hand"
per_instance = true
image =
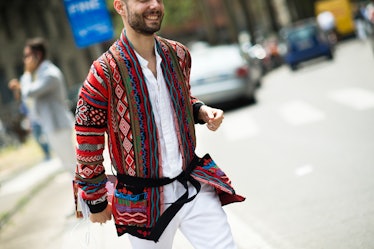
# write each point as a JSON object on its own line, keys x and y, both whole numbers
{"x": 14, "y": 85}
{"x": 211, "y": 116}
{"x": 103, "y": 216}
{"x": 31, "y": 63}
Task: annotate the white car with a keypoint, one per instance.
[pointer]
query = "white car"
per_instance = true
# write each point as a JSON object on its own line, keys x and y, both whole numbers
{"x": 220, "y": 74}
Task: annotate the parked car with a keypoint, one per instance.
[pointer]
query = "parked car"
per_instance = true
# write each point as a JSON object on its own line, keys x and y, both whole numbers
{"x": 274, "y": 52}
{"x": 305, "y": 41}
{"x": 259, "y": 55}
{"x": 267, "y": 53}
{"x": 220, "y": 74}
{"x": 255, "y": 54}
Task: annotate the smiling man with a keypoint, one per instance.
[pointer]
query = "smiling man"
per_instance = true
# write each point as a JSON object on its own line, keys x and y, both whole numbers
{"x": 138, "y": 93}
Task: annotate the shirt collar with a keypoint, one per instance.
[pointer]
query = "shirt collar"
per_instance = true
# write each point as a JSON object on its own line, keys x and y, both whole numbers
{"x": 144, "y": 63}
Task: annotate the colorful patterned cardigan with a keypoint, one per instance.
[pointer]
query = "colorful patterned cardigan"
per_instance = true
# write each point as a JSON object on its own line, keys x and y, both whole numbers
{"x": 114, "y": 100}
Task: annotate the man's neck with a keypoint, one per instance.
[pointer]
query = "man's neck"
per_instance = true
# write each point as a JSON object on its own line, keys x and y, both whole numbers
{"x": 143, "y": 45}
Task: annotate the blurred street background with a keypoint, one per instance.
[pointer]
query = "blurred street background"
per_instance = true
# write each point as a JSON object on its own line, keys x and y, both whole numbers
{"x": 298, "y": 144}
{"x": 303, "y": 157}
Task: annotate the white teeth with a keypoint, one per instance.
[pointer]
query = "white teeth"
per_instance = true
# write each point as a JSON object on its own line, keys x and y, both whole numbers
{"x": 152, "y": 17}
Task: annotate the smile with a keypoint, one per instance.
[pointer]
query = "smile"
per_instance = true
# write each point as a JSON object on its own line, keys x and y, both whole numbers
{"x": 152, "y": 17}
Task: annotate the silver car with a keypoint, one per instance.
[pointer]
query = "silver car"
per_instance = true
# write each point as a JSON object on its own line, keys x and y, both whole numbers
{"x": 220, "y": 74}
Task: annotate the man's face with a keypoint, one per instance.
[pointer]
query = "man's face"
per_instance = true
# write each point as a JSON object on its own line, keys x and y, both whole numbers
{"x": 145, "y": 16}
{"x": 30, "y": 60}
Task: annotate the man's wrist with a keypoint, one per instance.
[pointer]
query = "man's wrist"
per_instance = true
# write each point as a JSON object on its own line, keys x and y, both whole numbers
{"x": 196, "y": 111}
{"x": 97, "y": 206}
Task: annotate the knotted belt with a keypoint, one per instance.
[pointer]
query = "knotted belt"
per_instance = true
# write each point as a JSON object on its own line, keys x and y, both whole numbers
{"x": 171, "y": 211}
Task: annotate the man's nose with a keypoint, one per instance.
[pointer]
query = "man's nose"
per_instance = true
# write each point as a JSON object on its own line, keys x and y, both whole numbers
{"x": 155, "y": 3}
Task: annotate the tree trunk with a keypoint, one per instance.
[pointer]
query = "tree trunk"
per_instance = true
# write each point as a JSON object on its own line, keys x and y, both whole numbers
{"x": 272, "y": 15}
{"x": 233, "y": 24}
{"x": 209, "y": 28}
{"x": 249, "y": 21}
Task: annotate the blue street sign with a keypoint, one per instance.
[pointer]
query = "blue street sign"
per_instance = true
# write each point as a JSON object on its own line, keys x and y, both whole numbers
{"x": 90, "y": 21}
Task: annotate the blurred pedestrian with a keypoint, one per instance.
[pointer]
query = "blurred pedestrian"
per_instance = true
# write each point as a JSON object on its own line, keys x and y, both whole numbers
{"x": 26, "y": 108}
{"x": 326, "y": 21}
{"x": 360, "y": 22}
{"x": 138, "y": 92}
{"x": 369, "y": 12}
{"x": 42, "y": 83}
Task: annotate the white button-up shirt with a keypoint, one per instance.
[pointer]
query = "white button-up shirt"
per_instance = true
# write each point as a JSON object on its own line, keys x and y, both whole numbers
{"x": 163, "y": 113}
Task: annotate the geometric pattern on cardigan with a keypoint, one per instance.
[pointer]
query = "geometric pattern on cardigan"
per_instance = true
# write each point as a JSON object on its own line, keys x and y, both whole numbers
{"x": 123, "y": 125}
{"x": 135, "y": 211}
{"x": 131, "y": 208}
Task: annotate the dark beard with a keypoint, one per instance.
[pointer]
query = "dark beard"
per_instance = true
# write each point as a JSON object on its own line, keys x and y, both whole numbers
{"x": 137, "y": 23}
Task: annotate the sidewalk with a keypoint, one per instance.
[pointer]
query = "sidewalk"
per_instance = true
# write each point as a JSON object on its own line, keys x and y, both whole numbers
{"x": 16, "y": 191}
{"x": 46, "y": 221}
{"x": 38, "y": 205}
{"x": 37, "y": 212}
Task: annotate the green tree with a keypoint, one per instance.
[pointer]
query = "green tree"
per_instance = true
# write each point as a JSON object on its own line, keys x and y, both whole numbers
{"x": 178, "y": 12}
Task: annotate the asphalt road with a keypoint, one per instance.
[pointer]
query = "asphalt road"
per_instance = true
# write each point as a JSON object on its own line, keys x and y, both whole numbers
{"x": 304, "y": 154}
{"x": 303, "y": 157}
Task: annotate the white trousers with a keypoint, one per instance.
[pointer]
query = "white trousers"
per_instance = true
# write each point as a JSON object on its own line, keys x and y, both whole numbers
{"x": 202, "y": 221}
{"x": 61, "y": 142}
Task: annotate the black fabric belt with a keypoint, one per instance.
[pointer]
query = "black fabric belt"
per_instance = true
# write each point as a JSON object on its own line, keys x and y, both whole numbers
{"x": 171, "y": 211}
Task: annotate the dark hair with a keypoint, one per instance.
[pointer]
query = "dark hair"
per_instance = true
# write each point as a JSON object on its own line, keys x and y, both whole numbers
{"x": 38, "y": 45}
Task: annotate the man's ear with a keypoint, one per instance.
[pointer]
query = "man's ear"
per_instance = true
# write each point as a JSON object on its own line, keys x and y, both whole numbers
{"x": 119, "y": 6}
{"x": 38, "y": 57}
